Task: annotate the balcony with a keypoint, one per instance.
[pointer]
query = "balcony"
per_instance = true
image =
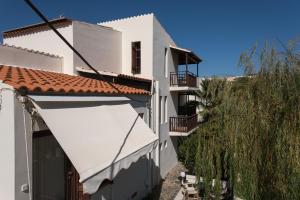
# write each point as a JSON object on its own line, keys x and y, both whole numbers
{"x": 183, "y": 81}
{"x": 183, "y": 125}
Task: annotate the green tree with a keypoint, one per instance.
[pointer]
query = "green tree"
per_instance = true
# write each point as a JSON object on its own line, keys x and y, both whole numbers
{"x": 252, "y": 133}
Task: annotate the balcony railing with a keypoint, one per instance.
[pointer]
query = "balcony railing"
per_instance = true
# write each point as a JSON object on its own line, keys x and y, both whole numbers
{"x": 183, "y": 124}
{"x": 183, "y": 79}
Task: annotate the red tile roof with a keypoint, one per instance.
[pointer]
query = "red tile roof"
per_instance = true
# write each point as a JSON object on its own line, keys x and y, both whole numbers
{"x": 39, "y": 81}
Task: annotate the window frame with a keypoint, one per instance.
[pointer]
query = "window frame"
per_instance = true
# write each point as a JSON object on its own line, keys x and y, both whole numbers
{"x": 136, "y": 57}
{"x": 166, "y": 62}
{"x": 166, "y": 109}
{"x": 161, "y": 109}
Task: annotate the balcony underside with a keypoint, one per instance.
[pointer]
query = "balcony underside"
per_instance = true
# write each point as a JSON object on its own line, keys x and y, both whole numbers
{"x": 182, "y": 88}
{"x": 184, "y": 134}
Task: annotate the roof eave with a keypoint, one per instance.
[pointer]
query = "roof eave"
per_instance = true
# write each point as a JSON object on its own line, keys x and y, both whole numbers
{"x": 27, "y": 29}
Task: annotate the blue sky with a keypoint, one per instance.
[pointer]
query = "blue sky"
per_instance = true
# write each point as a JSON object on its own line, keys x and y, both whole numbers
{"x": 218, "y": 31}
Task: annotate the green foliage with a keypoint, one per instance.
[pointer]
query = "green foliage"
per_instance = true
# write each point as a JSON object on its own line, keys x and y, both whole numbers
{"x": 252, "y": 137}
{"x": 187, "y": 151}
{"x": 262, "y": 118}
{"x": 210, "y": 97}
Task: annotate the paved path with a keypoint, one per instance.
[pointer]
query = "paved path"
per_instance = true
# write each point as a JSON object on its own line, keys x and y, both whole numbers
{"x": 179, "y": 195}
{"x": 171, "y": 185}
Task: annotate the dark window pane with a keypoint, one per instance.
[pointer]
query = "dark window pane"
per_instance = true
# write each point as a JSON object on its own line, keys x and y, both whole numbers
{"x": 136, "y": 58}
{"x": 48, "y": 169}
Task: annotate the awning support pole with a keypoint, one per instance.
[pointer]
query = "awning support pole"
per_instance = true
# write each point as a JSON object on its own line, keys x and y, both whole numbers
{"x": 186, "y": 62}
{"x": 186, "y": 69}
{"x": 197, "y": 69}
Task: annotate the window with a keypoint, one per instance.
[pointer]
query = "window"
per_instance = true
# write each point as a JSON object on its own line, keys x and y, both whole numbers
{"x": 161, "y": 111}
{"x": 136, "y": 57}
{"x": 48, "y": 167}
{"x": 166, "y": 63}
{"x": 166, "y": 109}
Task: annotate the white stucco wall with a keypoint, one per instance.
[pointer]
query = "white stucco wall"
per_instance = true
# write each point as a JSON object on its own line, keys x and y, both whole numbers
{"x": 7, "y": 144}
{"x": 100, "y": 46}
{"x": 49, "y": 42}
{"x": 14, "y": 171}
{"x": 154, "y": 39}
{"x": 139, "y": 28}
{"x": 162, "y": 40}
{"x": 18, "y": 57}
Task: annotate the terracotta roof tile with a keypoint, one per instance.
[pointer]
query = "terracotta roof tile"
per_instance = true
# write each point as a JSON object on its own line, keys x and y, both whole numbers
{"x": 39, "y": 81}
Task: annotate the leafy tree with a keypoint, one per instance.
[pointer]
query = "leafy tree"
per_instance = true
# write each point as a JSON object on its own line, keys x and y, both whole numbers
{"x": 252, "y": 134}
{"x": 209, "y": 97}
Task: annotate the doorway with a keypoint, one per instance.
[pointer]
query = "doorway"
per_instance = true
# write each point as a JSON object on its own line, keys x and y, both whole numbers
{"x": 54, "y": 176}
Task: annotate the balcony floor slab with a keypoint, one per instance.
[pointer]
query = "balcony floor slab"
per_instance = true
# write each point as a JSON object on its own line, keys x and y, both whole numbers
{"x": 182, "y": 89}
{"x": 184, "y": 134}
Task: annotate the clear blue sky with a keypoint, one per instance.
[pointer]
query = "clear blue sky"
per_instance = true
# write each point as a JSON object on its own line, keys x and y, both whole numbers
{"x": 218, "y": 31}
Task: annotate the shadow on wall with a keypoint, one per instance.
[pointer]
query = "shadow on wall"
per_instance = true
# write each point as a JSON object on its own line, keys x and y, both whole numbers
{"x": 156, "y": 193}
{"x": 134, "y": 183}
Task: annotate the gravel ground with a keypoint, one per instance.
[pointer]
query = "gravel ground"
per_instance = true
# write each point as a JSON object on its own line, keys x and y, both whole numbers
{"x": 171, "y": 184}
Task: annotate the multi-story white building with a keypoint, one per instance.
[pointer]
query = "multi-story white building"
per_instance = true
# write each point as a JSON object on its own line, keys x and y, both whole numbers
{"x": 136, "y": 50}
{"x": 167, "y": 64}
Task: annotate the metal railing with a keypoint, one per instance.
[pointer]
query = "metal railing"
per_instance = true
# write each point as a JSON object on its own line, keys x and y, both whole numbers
{"x": 184, "y": 78}
{"x": 183, "y": 123}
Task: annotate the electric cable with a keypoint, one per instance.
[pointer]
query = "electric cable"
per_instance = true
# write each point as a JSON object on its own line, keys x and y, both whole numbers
{"x": 101, "y": 76}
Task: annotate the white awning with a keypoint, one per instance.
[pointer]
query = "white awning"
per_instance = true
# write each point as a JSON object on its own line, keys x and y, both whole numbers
{"x": 99, "y": 140}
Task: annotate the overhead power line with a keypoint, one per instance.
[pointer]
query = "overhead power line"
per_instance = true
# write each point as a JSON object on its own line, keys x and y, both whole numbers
{"x": 101, "y": 76}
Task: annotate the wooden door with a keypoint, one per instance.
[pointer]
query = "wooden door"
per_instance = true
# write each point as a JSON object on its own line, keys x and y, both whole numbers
{"x": 74, "y": 188}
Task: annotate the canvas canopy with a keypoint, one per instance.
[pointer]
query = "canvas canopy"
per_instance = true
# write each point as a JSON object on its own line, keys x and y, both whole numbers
{"x": 99, "y": 140}
{"x": 191, "y": 58}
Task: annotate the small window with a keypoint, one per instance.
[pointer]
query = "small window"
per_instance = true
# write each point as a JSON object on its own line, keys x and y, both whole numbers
{"x": 166, "y": 109}
{"x": 161, "y": 107}
{"x": 136, "y": 57}
{"x": 166, "y": 63}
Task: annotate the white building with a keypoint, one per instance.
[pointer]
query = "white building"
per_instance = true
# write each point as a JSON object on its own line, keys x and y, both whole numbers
{"x": 165, "y": 63}
{"x": 62, "y": 136}
{"x": 136, "y": 48}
